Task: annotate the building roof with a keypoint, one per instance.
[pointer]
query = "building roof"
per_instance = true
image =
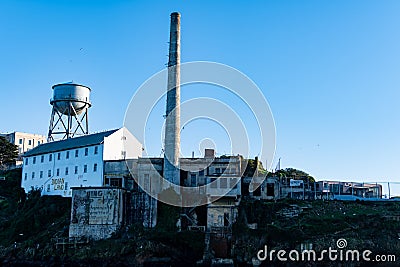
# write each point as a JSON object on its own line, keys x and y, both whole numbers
{"x": 71, "y": 143}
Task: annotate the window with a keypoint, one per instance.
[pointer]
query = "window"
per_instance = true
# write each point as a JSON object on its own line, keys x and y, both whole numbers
{"x": 67, "y": 156}
{"x": 192, "y": 179}
{"x": 58, "y": 172}
{"x": 58, "y": 156}
{"x": 217, "y": 170}
{"x": 95, "y": 167}
{"x": 76, "y": 170}
{"x": 86, "y": 151}
{"x": 26, "y": 161}
{"x": 42, "y": 159}
{"x": 34, "y": 160}
{"x": 38, "y": 142}
{"x": 123, "y": 154}
{"x": 41, "y": 174}
{"x": 66, "y": 185}
{"x": 201, "y": 173}
{"x": 50, "y": 157}
{"x": 20, "y": 141}
{"x": 29, "y": 142}
{"x": 49, "y": 173}
{"x": 76, "y": 153}
{"x": 26, "y": 176}
{"x": 213, "y": 183}
{"x": 33, "y": 175}
{"x": 96, "y": 150}
{"x": 116, "y": 182}
{"x": 85, "y": 168}
{"x": 223, "y": 183}
{"x": 48, "y": 188}
{"x": 66, "y": 170}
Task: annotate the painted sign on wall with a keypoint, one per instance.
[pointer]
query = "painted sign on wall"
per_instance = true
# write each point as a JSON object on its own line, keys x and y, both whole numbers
{"x": 295, "y": 182}
{"x": 103, "y": 206}
{"x": 57, "y": 183}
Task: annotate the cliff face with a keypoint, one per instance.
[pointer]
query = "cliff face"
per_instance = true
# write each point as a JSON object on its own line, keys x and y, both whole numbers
{"x": 317, "y": 225}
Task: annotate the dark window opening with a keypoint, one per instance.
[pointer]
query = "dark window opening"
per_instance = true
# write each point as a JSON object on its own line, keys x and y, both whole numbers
{"x": 270, "y": 190}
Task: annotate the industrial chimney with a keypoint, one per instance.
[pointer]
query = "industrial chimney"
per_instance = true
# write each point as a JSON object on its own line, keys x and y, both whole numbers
{"x": 172, "y": 124}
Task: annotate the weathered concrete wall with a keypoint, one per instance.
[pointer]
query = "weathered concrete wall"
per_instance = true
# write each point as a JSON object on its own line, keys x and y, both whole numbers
{"x": 222, "y": 213}
{"x": 96, "y": 212}
{"x": 270, "y": 189}
{"x": 142, "y": 209}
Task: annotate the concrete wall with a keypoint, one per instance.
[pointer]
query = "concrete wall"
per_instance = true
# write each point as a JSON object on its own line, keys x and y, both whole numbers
{"x": 221, "y": 213}
{"x": 141, "y": 208}
{"x": 148, "y": 174}
{"x": 220, "y": 187}
{"x": 270, "y": 189}
{"x": 121, "y": 145}
{"x": 96, "y": 213}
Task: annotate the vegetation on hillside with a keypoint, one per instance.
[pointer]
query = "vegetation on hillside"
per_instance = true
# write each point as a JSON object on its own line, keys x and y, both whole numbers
{"x": 250, "y": 167}
{"x": 365, "y": 225}
{"x": 36, "y": 219}
{"x": 293, "y": 174}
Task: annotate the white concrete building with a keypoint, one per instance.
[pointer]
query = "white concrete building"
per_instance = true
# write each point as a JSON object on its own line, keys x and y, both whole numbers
{"x": 25, "y": 142}
{"x": 57, "y": 166}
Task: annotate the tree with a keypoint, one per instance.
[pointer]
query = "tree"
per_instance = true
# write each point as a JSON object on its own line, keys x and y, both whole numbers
{"x": 294, "y": 174}
{"x": 8, "y": 152}
{"x": 250, "y": 168}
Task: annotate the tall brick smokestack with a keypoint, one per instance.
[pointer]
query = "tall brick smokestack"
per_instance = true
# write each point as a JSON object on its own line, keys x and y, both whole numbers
{"x": 172, "y": 124}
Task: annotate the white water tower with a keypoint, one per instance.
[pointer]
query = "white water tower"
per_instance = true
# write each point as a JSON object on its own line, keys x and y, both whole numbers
{"x": 69, "y": 116}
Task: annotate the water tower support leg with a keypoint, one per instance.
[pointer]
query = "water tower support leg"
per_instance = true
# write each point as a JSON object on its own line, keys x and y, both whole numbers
{"x": 49, "y": 136}
{"x": 87, "y": 121}
{"x": 79, "y": 123}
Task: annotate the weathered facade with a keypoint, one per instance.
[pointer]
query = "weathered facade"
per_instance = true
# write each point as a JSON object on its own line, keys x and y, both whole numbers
{"x": 140, "y": 207}
{"x": 96, "y": 212}
{"x": 261, "y": 188}
{"x": 221, "y": 214}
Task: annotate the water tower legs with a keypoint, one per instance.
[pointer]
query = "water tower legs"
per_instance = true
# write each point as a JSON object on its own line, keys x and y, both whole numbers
{"x": 64, "y": 126}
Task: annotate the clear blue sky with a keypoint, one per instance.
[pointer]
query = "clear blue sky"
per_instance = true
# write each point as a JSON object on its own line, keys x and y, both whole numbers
{"x": 329, "y": 69}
